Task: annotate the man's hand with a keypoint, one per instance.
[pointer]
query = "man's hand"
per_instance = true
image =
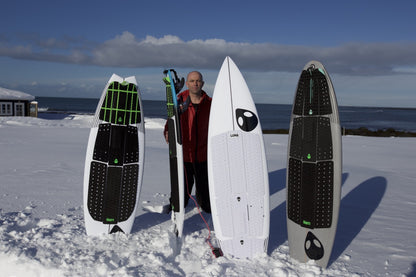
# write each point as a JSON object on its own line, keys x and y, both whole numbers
{"x": 166, "y": 136}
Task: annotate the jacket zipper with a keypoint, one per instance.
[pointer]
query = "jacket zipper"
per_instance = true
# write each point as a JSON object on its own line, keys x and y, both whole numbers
{"x": 196, "y": 133}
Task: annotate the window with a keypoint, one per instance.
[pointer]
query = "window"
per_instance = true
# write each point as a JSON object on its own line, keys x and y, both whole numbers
{"x": 6, "y": 108}
{"x": 19, "y": 109}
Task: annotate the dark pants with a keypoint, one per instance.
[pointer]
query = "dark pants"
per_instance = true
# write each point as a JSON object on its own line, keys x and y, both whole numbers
{"x": 198, "y": 173}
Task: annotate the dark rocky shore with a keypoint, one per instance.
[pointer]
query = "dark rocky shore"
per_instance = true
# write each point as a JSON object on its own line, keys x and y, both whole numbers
{"x": 390, "y": 132}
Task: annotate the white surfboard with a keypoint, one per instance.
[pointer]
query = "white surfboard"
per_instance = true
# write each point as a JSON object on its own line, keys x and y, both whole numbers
{"x": 237, "y": 169}
{"x": 114, "y": 160}
{"x": 313, "y": 181}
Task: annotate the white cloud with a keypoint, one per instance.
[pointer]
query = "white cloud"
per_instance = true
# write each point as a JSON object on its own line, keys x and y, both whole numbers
{"x": 405, "y": 69}
{"x": 127, "y": 51}
{"x": 168, "y": 39}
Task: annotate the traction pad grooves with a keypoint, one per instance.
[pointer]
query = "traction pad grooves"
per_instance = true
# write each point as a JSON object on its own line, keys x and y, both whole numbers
{"x": 114, "y": 170}
{"x": 311, "y": 169}
{"x": 113, "y": 174}
{"x": 113, "y": 200}
{"x": 121, "y": 104}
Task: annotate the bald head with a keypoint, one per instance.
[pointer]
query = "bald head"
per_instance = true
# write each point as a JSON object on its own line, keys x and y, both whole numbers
{"x": 195, "y": 74}
{"x": 195, "y": 82}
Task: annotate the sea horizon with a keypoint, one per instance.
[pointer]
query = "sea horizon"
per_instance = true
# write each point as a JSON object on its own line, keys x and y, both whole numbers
{"x": 272, "y": 116}
{"x": 162, "y": 100}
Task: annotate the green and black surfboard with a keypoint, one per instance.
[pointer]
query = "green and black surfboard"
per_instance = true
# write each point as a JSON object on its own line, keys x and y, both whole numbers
{"x": 114, "y": 160}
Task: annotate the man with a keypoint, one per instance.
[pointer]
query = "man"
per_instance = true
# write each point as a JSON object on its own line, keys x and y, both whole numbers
{"x": 195, "y": 106}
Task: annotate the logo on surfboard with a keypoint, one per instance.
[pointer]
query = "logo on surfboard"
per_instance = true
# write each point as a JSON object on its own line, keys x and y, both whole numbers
{"x": 246, "y": 120}
{"x": 313, "y": 247}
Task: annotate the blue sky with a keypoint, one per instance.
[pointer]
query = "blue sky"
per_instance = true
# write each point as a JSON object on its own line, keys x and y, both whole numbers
{"x": 71, "y": 48}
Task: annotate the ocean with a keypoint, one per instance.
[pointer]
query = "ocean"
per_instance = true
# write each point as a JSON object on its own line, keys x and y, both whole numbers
{"x": 272, "y": 116}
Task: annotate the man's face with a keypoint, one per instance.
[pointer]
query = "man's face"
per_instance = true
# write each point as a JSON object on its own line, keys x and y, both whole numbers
{"x": 194, "y": 83}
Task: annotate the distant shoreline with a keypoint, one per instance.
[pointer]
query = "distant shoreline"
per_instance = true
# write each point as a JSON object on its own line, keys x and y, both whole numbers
{"x": 362, "y": 131}
{"x": 390, "y": 132}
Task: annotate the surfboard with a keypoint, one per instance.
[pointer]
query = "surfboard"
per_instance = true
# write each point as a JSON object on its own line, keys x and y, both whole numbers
{"x": 314, "y": 167}
{"x": 114, "y": 159}
{"x": 177, "y": 200}
{"x": 237, "y": 169}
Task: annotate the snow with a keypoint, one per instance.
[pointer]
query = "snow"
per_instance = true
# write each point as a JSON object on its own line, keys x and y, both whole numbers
{"x": 41, "y": 215}
{"x": 8, "y": 94}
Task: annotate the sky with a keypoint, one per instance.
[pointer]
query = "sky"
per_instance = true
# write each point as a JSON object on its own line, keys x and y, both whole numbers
{"x": 71, "y": 48}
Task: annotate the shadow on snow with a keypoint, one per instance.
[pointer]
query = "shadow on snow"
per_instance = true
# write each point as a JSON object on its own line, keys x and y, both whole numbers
{"x": 356, "y": 209}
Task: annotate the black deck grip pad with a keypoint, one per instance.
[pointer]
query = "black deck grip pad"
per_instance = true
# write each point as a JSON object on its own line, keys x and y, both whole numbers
{"x": 312, "y": 95}
{"x": 114, "y": 173}
{"x": 310, "y": 193}
{"x": 112, "y": 192}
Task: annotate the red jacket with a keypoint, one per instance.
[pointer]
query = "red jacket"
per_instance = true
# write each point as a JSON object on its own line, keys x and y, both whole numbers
{"x": 194, "y": 127}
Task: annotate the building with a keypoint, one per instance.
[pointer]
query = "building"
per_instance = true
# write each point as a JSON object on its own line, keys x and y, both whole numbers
{"x": 15, "y": 103}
